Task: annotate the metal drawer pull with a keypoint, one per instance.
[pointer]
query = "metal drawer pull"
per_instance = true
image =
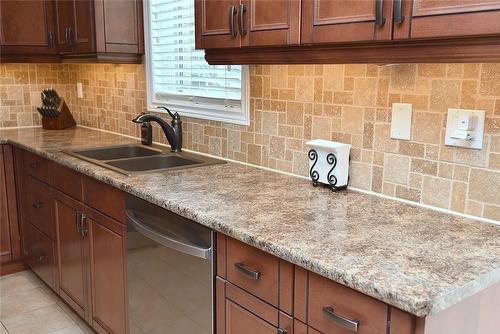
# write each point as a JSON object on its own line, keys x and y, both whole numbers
{"x": 379, "y": 13}
{"x": 241, "y": 24}
{"x": 37, "y": 205}
{"x": 232, "y": 13}
{"x": 242, "y": 269}
{"x": 398, "y": 12}
{"x": 281, "y": 331}
{"x": 34, "y": 165}
{"x": 349, "y": 324}
{"x": 41, "y": 257}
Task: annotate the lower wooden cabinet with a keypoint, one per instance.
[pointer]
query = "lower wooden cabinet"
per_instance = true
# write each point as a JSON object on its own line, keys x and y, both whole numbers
{"x": 241, "y": 321}
{"x": 41, "y": 255}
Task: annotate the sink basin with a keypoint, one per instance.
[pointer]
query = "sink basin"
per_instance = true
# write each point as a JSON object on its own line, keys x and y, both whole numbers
{"x": 137, "y": 159}
{"x": 152, "y": 163}
{"x": 117, "y": 152}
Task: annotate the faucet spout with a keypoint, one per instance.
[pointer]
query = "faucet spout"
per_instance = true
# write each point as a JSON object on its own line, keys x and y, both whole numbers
{"x": 172, "y": 132}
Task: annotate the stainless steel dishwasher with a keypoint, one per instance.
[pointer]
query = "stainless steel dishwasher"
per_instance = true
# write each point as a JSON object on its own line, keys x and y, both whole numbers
{"x": 170, "y": 271}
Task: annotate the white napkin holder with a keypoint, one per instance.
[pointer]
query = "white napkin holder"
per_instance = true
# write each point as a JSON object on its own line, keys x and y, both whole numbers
{"x": 329, "y": 163}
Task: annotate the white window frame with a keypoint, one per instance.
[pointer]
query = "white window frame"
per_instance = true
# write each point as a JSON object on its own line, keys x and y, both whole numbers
{"x": 208, "y": 111}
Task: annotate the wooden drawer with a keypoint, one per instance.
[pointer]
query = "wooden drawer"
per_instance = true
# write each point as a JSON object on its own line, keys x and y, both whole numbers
{"x": 36, "y": 166}
{"x": 330, "y": 302}
{"x": 40, "y": 254}
{"x": 66, "y": 180}
{"x": 38, "y": 205}
{"x": 104, "y": 198}
{"x": 253, "y": 270}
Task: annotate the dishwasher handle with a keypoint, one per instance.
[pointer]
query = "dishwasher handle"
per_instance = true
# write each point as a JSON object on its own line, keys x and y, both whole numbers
{"x": 201, "y": 252}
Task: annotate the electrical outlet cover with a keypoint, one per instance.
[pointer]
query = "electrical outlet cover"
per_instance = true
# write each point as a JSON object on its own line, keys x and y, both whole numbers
{"x": 401, "y": 121}
{"x": 452, "y": 124}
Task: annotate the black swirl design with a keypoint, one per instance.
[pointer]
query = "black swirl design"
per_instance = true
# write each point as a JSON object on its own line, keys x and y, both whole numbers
{"x": 313, "y": 156}
{"x": 332, "y": 160}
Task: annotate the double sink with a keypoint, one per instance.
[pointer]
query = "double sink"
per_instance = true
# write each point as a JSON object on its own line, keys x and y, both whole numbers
{"x": 137, "y": 159}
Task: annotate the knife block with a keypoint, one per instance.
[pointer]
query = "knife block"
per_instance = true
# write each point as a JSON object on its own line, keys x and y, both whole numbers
{"x": 63, "y": 121}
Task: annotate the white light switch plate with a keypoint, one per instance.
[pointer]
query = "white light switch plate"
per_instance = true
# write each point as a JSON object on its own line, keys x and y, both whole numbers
{"x": 401, "y": 121}
{"x": 477, "y": 133}
{"x": 79, "y": 90}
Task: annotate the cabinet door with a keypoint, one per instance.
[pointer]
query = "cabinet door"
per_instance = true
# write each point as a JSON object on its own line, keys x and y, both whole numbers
{"x": 5, "y": 253}
{"x": 74, "y": 26}
{"x": 269, "y": 22}
{"x": 112, "y": 35}
{"x": 326, "y": 21}
{"x": 72, "y": 250}
{"x": 26, "y": 27}
{"x": 216, "y": 24}
{"x": 241, "y": 321}
{"x": 454, "y": 18}
{"x": 108, "y": 251}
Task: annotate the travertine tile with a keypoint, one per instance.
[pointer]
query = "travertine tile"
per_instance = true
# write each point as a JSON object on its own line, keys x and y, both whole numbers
{"x": 429, "y": 127}
{"x": 19, "y": 282}
{"x": 40, "y": 321}
{"x": 484, "y": 185}
{"x": 352, "y": 120}
{"x": 360, "y": 175}
{"x": 23, "y": 301}
{"x": 436, "y": 192}
{"x": 396, "y": 169}
{"x": 458, "y": 195}
{"x": 490, "y": 79}
{"x": 444, "y": 94}
{"x": 492, "y": 212}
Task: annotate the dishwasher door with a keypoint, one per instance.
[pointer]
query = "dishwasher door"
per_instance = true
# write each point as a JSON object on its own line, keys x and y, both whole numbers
{"x": 170, "y": 272}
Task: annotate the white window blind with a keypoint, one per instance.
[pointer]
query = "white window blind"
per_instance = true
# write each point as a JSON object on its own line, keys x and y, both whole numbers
{"x": 178, "y": 74}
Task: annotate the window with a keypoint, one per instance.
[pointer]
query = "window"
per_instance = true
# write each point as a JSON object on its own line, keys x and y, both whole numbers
{"x": 178, "y": 75}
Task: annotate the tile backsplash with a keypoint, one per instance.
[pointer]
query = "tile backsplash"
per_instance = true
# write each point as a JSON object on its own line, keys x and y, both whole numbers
{"x": 292, "y": 104}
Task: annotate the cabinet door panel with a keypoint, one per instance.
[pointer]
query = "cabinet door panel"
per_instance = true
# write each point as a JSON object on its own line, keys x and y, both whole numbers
{"x": 271, "y": 22}
{"x": 74, "y": 26}
{"x": 108, "y": 273}
{"x": 5, "y": 246}
{"x": 26, "y": 27}
{"x": 71, "y": 254}
{"x": 326, "y": 21}
{"x": 241, "y": 321}
{"x": 213, "y": 28}
{"x": 40, "y": 254}
{"x": 455, "y": 18}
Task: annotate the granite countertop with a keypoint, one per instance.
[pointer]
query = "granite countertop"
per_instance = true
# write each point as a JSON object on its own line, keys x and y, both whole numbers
{"x": 416, "y": 259}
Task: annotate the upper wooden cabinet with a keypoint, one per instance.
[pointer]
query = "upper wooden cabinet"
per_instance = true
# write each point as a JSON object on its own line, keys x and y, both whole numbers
{"x": 54, "y": 30}
{"x": 326, "y": 21}
{"x": 74, "y": 26}
{"x": 27, "y": 27}
{"x": 246, "y": 23}
{"x": 454, "y": 18}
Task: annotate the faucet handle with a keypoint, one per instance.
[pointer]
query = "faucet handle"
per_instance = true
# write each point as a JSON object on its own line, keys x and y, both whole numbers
{"x": 174, "y": 116}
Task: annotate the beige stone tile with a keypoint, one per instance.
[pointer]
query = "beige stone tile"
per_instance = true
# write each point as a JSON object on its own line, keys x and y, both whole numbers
{"x": 482, "y": 186}
{"x": 23, "y": 301}
{"x": 389, "y": 189}
{"x": 300, "y": 163}
{"x": 415, "y": 180}
{"x": 491, "y": 212}
{"x": 304, "y": 91}
{"x": 458, "y": 195}
{"x": 424, "y": 166}
{"x": 42, "y": 320}
{"x": 494, "y": 161}
{"x": 427, "y": 127}
{"x": 432, "y": 70}
{"x": 444, "y": 94}
{"x": 409, "y": 194}
{"x": 490, "y": 80}
{"x": 411, "y": 149}
{"x": 471, "y": 71}
{"x": 295, "y": 113}
{"x": 403, "y": 77}
{"x": 69, "y": 330}
{"x": 321, "y": 127}
{"x": 277, "y": 147}
{"x": 382, "y": 140}
{"x": 333, "y": 77}
{"x": 473, "y": 208}
{"x": 360, "y": 175}
{"x": 436, "y": 192}
{"x": 352, "y": 120}
{"x": 396, "y": 169}
{"x": 234, "y": 140}
{"x": 365, "y": 91}
{"x": 254, "y": 154}
{"x": 473, "y": 157}
{"x": 270, "y": 123}
{"x": 445, "y": 170}
{"x": 22, "y": 281}
{"x": 461, "y": 173}
{"x": 377, "y": 178}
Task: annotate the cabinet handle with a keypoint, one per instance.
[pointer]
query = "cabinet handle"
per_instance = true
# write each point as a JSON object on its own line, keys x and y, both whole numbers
{"x": 349, "y": 324}
{"x": 281, "y": 331}
{"x": 51, "y": 39}
{"x": 66, "y": 36}
{"x": 84, "y": 227}
{"x": 71, "y": 37}
{"x": 34, "y": 165}
{"x": 241, "y": 24}
{"x": 37, "y": 205}
{"x": 398, "y": 11}
{"x": 255, "y": 275}
{"x": 78, "y": 222}
{"x": 232, "y": 12}
{"x": 379, "y": 13}
{"x": 40, "y": 257}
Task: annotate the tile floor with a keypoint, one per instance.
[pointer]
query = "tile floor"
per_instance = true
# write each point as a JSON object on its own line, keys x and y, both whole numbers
{"x": 27, "y": 306}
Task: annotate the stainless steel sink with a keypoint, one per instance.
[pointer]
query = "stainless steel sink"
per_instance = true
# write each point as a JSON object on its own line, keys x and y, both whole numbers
{"x": 117, "y": 152}
{"x": 136, "y": 159}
